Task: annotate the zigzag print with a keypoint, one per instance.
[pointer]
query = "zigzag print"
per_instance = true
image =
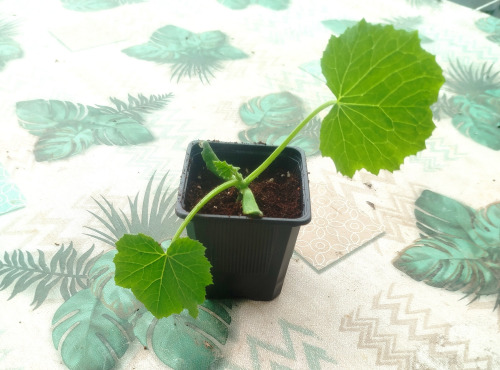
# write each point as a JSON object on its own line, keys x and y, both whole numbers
{"x": 437, "y": 154}
{"x": 427, "y": 345}
{"x": 287, "y": 350}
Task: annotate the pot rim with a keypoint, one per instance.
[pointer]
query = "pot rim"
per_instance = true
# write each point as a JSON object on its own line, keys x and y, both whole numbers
{"x": 304, "y": 219}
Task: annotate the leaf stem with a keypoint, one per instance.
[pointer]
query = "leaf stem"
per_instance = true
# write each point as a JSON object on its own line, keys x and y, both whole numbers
{"x": 289, "y": 138}
{"x": 201, "y": 203}
{"x": 254, "y": 174}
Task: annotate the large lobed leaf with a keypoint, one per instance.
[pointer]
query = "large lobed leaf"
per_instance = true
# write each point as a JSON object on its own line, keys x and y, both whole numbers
{"x": 166, "y": 282}
{"x": 384, "y": 83}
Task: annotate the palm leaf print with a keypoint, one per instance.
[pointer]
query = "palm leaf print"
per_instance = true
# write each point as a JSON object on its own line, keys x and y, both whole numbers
{"x": 474, "y": 105}
{"x": 66, "y": 129}
{"x": 9, "y": 48}
{"x": 459, "y": 248}
{"x": 22, "y": 270}
{"x": 94, "y": 5}
{"x": 155, "y": 217}
{"x": 189, "y": 53}
{"x": 471, "y": 79}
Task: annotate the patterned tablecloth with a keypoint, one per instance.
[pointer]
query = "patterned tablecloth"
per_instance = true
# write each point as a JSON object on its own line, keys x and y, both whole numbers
{"x": 99, "y": 99}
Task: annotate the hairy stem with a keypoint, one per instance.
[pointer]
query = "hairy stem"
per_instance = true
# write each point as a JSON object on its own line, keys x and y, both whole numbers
{"x": 201, "y": 203}
{"x": 282, "y": 146}
{"x": 254, "y": 174}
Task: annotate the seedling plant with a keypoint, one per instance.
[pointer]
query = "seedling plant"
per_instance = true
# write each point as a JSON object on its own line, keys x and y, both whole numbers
{"x": 383, "y": 83}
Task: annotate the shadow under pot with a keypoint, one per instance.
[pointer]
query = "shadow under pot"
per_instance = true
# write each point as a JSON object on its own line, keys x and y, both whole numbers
{"x": 249, "y": 256}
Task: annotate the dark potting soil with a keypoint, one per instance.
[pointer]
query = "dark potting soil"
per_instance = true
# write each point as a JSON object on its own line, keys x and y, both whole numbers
{"x": 277, "y": 192}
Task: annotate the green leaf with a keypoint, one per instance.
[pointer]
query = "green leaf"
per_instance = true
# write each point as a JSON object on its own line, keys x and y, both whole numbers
{"x": 166, "y": 282}
{"x": 384, "y": 83}
{"x": 119, "y": 300}
{"x": 93, "y": 335}
{"x": 220, "y": 168}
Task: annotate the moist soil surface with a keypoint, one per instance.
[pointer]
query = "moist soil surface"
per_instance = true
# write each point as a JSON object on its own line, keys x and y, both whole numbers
{"x": 277, "y": 192}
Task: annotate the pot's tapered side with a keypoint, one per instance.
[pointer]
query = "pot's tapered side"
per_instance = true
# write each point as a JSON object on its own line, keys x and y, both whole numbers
{"x": 249, "y": 256}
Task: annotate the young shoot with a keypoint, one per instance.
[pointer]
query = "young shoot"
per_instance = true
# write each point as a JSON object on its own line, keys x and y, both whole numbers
{"x": 383, "y": 84}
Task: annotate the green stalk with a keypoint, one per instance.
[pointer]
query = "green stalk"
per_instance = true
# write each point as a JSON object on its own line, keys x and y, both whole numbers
{"x": 254, "y": 174}
{"x": 283, "y": 145}
{"x": 201, "y": 203}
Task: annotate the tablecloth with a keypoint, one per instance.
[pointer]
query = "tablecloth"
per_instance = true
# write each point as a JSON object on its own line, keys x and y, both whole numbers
{"x": 99, "y": 100}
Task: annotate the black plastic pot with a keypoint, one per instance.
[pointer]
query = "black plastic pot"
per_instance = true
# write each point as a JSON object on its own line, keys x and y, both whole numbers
{"x": 249, "y": 256}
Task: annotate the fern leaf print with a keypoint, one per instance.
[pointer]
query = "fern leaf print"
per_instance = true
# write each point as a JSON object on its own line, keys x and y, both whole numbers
{"x": 66, "y": 270}
{"x": 95, "y": 5}
{"x": 66, "y": 129}
{"x": 189, "y": 54}
{"x": 9, "y": 48}
{"x": 459, "y": 248}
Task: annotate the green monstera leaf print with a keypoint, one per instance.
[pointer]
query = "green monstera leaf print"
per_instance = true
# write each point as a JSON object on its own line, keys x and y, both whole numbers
{"x": 490, "y": 25}
{"x": 9, "y": 48}
{"x": 242, "y": 4}
{"x": 65, "y": 270}
{"x": 66, "y": 129}
{"x": 272, "y": 117}
{"x": 474, "y": 105}
{"x": 182, "y": 342}
{"x": 89, "y": 335}
{"x": 189, "y": 53}
{"x": 94, "y": 5}
{"x": 459, "y": 249}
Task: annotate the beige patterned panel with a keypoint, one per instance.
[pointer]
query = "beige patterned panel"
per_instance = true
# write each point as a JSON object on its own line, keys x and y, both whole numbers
{"x": 339, "y": 228}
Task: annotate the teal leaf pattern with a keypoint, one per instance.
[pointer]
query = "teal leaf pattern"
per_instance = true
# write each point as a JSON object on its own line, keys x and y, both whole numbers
{"x": 66, "y": 129}
{"x": 490, "y": 25}
{"x": 242, "y": 4}
{"x": 154, "y": 215}
{"x": 182, "y": 342}
{"x": 65, "y": 269}
{"x": 475, "y": 104}
{"x": 272, "y": 117}
{"x": 9, "y": 48}
{"x": 115, "y": 298}
{"x": 459, "y": 249}
{"x": 190, "y": 54}
{"x": 95, "y": 5}
{"x": 88, "y": 334}
{"x": 10, "y": 195}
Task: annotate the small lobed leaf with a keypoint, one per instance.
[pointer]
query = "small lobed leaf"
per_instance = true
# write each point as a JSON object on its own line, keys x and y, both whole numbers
{"x": 165, "y": 282}
{"x": 385, "y": 84}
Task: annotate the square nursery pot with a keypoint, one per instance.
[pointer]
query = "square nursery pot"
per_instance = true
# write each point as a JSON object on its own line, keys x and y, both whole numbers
{"x": 249, "y": 256}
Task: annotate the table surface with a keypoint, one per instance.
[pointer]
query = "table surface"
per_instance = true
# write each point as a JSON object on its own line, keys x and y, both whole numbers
{"x": 396, "y": 271}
